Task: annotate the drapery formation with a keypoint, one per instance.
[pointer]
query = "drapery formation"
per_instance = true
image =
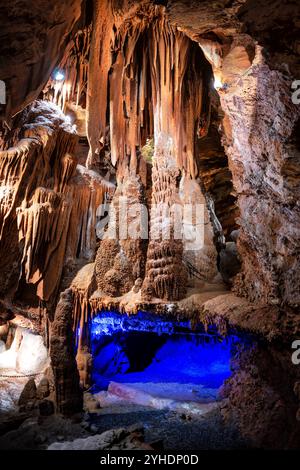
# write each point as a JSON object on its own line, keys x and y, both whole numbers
{"x": 157, "y": 87}
{"x": 48, "y": 205}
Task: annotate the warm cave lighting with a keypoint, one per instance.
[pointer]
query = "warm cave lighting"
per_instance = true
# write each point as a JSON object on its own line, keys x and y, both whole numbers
{"x": 218, "y": 85}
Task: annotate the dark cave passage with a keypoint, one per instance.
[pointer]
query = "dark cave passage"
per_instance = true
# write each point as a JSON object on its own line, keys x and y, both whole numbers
{"x": 158, "y": 357}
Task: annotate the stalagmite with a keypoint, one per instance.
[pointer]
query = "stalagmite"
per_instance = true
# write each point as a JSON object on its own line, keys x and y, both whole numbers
{"x": 62, "y": 353}
{"x": 156, "y": 90}
{"x": 120, "y": 263}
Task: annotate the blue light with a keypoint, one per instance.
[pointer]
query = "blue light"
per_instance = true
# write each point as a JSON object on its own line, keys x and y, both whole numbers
{"x": 146, "y": 348}
{"x": 59, "y": 76}
{"x": 109, "y": 323}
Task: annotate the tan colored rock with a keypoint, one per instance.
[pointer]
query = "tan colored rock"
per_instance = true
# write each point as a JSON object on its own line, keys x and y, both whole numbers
{"x": 38, "y": 35}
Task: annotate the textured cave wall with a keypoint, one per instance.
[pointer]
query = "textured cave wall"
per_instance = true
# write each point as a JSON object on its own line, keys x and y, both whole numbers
{"x": 120, "y": 260}
{"x": 35, "y": 202}
{"x": 264, "y": 406}
{"x": 48, "y": 220}
{"x": 276, "y": 28}
{"x": 264, "y": 159}
{"x": 260, "y": 130}
{"x": 216, "y": 177}
{"x": 32, "y": 41}
{"x": 48, "y": 202}
{"x": 42, "y": 187}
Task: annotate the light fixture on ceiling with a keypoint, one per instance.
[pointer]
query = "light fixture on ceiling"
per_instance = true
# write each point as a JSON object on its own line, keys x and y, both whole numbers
{"x": 59, "y": 76}
{"x": 217, "y": 83}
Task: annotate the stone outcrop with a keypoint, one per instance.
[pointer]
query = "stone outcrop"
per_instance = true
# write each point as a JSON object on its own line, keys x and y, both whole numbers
{"x": 225, "y": 34}
{"x": 34, "y": 175}
{"x": 48, "y": 205}
{"x": 28, "y": 394}
{"x": 264, "y": 159}
{"x": 256, "y": 397}
{"x": 147, "y": 98}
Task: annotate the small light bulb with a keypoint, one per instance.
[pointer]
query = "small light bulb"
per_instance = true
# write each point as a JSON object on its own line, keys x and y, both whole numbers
{"x": 59, "y": 76}
{"x": 217, "y": 83}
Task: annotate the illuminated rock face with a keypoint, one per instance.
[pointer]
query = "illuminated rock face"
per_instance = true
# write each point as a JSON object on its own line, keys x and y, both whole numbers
{"x": 141, "y": 71}
{"x": 263, "y": 152}
{"x": 120, "y": 260}
{"x": 131, "y": 71}
{"x": 36, "y": 204}
{"x": 158, "y": 88}
{"x": 48, "y": 204}
{"x": 30, "y": 48}
{"x": 242, "y": 76}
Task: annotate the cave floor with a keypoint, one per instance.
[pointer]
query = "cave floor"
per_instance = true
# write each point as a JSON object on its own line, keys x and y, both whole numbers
{"x": 164, "y": 429}
{"x": 177, "y": 431}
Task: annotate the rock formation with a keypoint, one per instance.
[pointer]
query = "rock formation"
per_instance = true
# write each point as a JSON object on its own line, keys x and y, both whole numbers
{"x": 62, "y": 353}
{"x": 31, "y": 48}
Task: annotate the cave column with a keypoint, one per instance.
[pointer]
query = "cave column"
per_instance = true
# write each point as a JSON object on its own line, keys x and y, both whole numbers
{"x": 165, "y": 272}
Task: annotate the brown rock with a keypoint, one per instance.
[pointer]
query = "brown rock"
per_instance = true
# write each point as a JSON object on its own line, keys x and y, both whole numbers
{"x": 68, "y": 395}
{"x": 46, "y": 408}
{"x": 43, "y": 388}
{"x": 29, "y": 393}
{"x": 39, "y": 35}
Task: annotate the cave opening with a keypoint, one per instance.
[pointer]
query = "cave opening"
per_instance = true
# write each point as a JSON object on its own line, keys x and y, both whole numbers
{"x": 148, "y": 360}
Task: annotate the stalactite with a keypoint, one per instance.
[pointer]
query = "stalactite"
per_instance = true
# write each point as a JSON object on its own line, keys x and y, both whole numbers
{"x": 74, "y": 70}
{"x": 48, "y": 204}
{"x": 156, "y": 79}
{"x": 35, "y": 172}
{"x": 156, "y": 86}
{"x": 89, "y": 191}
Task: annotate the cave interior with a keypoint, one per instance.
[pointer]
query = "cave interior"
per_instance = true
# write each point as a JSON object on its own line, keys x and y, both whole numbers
{"x": 149, "y": 223}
